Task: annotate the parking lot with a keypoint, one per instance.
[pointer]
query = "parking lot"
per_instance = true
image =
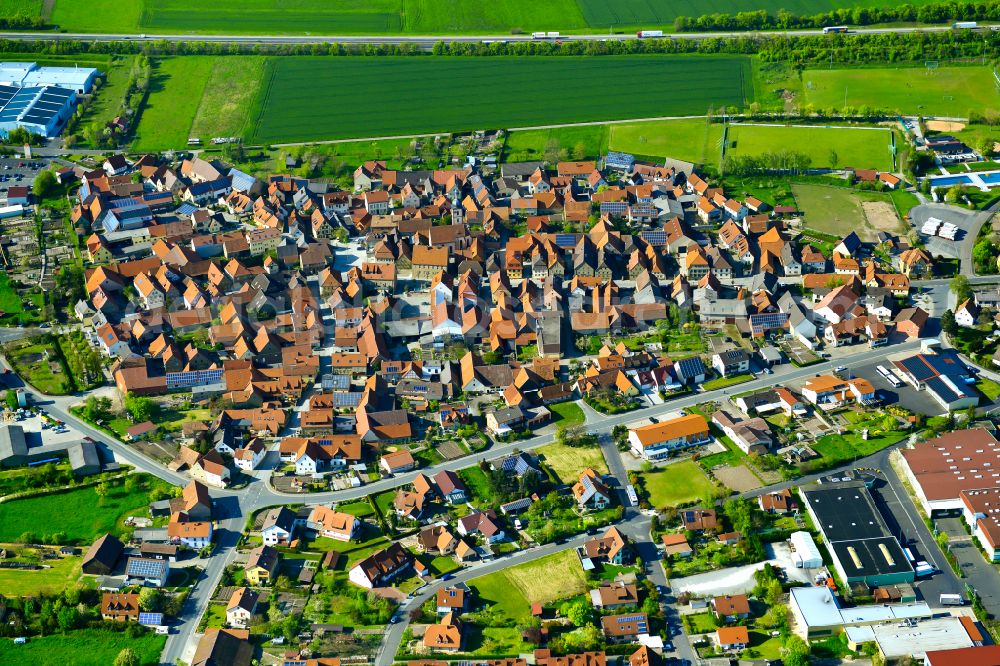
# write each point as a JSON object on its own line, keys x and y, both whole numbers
{"x": 962, "y": 219}
{"x": 14, "y": 172}
{"x": 906, "y": 396}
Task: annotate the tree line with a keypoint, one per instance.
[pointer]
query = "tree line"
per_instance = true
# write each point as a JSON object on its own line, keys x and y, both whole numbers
{"x": 934, "y": 13}
{"x": 781, "y": 161}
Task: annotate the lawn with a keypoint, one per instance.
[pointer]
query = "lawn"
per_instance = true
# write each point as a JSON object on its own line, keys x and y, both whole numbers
{"x": 692, "y": 140}
{"x": 989, "y": 388}
{"x": 352, "y": 551}
{"x": 837, "y": 449}
{"x": 361, "y": 508}
{"x": 25, "y": 583}
{"x": 676, "y": 484}
{"x": 723, "y": 382}
{"x": 700, "y": 623}
{"x": 567, "y": 462}
{"x": 175, "y": 94}
{"x": 172, "y": 420}
{"x": 839, "y": 210}
{"x": 863, "y": 148}
{"x": 949, "y": 91}
{"x": 477, "y": 483}
{"x": 230, "y": 99}
{"x": 567, "y": 413}
{"x": 80, "y": 514}
{"x": 548, "y": 91}
{"x": 513, "y": 590}
{"x": 86, "y": 647}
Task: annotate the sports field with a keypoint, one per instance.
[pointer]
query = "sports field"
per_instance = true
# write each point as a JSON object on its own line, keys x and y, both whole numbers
{"x": 390, "y": 96}
{"x": 947, "y": 91}
{"x": 838, "y": 211}
{"x": 423, "y": 17}
{"x": 856, "y": 147}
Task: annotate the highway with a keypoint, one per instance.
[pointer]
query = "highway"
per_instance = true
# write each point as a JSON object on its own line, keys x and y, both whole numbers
{"x": 425, "y": 41}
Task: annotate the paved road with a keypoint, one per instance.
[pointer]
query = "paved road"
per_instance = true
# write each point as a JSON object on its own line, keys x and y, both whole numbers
{"x": 979, "y": 573}
{"x": 426, "y": 41}
{"x": 259, "y": 494}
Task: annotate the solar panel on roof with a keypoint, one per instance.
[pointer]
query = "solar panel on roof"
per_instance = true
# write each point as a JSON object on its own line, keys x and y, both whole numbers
{"x": 565, "y": 240}
{"x": 147, "y": 568}
{"x": 150, "y": 619}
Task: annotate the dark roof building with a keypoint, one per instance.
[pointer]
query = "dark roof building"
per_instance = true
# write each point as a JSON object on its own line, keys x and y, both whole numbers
{"x": 102, "y": 556}
{"x": 862, "y": 547}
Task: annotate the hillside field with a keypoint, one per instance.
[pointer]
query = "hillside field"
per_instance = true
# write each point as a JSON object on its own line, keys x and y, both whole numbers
{"x": 947, "y": 91}
{"x": 856, "y": 147}
{"x": 372, "y": 17}
{"x": 390, "y": 96}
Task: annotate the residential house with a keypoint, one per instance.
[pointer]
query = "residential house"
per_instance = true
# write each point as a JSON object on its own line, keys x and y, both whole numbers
{"x": 333, "y": 524}
{"x": 614, "y": 594}
{"x": 590, "y": 491}
{"x": 659, "y": 440}
{"x": 262, "y": 565}
{"x": 446, "y": 636}
{"x": 120, "y": 606}
{"x": 625, "y": 628}
{"x": 380, "y": 568}
{"x": 731, "y": 607}
{"x": 241, "y": 607}
{"x": 278, "y": 527}
{"x": 732, "y": 639}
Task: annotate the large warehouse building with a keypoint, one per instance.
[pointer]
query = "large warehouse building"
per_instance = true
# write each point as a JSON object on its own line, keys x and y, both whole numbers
{"x": 40, "y": 99}
{"x": 79, "y": 80}
{"x": 862, "y": 548}
{"x": 941, "y": 468}
{"x": 41, "y": 111}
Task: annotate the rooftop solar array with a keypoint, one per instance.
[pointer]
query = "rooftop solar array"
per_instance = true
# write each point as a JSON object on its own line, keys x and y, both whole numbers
{"x": 36, "y": 106}
{"x": 145, "y": 567}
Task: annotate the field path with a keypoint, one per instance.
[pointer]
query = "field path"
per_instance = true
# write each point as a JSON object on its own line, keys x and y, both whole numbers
{"x": 588, "y": 123}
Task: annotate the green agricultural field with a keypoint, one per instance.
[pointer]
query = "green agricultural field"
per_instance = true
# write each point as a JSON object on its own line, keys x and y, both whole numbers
{"x": 230, "y": 98}
{"x": 860, "y": 148}
{"x": 86, "y": 647}
{"x": 676, "y": 484}
{"x": 948, "y": 91}
{"x": 692, "y": 140}
{"x": 839, "y": 210}
{"x": 175, "y": 93}
{"x": 529, "y": 145}
{"x": 81, "y": 514}
{"x": 479, "y": 93}
{"x": 109, "y": 16}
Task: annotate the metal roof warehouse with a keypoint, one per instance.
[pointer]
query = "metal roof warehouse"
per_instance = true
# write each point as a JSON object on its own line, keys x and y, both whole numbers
{"x": 863, "y": 549}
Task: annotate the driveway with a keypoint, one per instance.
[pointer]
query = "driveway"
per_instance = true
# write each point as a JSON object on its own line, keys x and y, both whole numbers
{"x": 979, "y": 573}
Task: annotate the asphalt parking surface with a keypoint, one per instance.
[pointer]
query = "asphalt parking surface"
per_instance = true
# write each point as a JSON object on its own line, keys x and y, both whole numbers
{"x": 964, "y": 220}
{"x": 12, "y": 174}
{"x": 906, "y": 396}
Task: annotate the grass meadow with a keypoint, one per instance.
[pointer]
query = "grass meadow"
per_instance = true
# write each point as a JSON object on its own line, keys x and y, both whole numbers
{"x": 480, "y": 93}
{"x": 947, "y": 91}
{"x": 692, "y": 140}
{"x": 512, "y": 591}
{"x": 860, "y": 148}
{"x": 86, "y": 647}
{"x": 175, "y": 93}
{"x": 567, "y": 462}
{"x": 81, "y": 514}
{"x": 676, "y": 484}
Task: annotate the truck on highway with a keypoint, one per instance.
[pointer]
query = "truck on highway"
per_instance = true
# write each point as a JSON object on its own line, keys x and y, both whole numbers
{"x": 965, "y": 25}
{"x": 545, "y": 35}
{"x": 644, "y": 34}
{"x": 951, "y": 600}
{"x": 832, "y": 29}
